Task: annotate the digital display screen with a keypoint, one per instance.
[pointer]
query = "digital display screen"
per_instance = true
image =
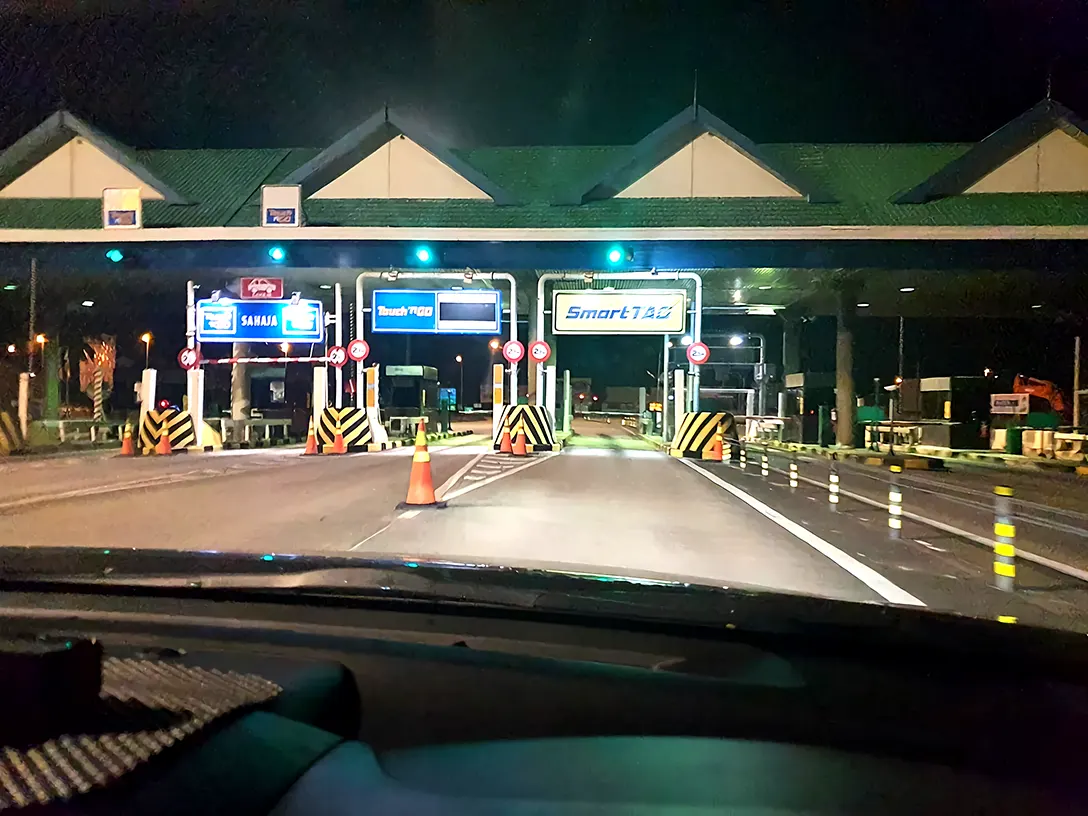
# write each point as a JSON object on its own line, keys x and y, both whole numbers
{"x": 462, "y": 311}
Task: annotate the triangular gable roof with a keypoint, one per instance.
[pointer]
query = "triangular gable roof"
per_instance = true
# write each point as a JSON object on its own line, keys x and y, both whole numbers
{"x": 674, "y": 135}
{"x": 995, "y": 150}
{"x": 57, "y": 131}
{"x": 370, "y": 135}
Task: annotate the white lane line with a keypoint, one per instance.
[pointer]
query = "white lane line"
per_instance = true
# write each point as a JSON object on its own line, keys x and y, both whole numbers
{"x": 375, "y": 534}
{"x": 99, "y": 490}
{"x": 933, "y": 547}
{"x": 409, "y": 514}
{"x": 456, "y": 477}
{"x": 867, "y": 575}
{"x": 492, "y": 479}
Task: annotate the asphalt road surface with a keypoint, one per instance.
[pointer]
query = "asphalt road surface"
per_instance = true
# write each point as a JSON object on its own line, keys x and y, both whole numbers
{"x": 608, "y": 502}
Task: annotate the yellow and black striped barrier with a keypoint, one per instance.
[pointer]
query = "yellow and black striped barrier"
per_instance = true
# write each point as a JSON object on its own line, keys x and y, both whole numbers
{"x": 354, "y": 425}
{"x": 534, "y": 421}
{"x": 1004, "y": 540}
{"x": 695, "y": 436}
{"x": 11, "y": 440}
{"x": 177, "y": 424}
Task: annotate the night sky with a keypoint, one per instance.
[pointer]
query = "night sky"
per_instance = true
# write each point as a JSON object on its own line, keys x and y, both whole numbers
{"x": 213, "y": 73}
{"x": 276, "y": 73}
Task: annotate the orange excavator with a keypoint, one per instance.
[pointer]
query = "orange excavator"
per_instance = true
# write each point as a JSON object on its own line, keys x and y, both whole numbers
{"x": 1043, "y": 389}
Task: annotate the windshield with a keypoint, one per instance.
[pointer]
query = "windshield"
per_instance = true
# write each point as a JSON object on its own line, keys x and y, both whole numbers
{"x": 780, "y": 297}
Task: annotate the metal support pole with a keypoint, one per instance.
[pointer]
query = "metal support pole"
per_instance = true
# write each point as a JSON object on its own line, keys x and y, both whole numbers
{"x": 665, "y": 388}
{"x": 338, "y": 334}
{"x": 1004, "y": 540}
{"x": 1076, "y": 381}
{"x": 764, "y": 465}
{"x": 833, "y": 487}
{"x": 895, "y": 503}
{"x": 793, "y": 471}
{"x": 568, "y": 402}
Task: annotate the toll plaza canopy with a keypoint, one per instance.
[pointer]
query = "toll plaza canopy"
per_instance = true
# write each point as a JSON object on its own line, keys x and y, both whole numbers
{"x": 992, "y": 225}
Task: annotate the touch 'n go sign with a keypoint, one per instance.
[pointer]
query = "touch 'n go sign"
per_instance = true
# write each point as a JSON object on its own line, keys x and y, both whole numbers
{"x": 539, "y": 351}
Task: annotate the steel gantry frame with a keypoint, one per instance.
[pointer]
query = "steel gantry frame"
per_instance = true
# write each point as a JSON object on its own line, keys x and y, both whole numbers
{"x": 656, "y": 275}
{"x": 397, "y": 274}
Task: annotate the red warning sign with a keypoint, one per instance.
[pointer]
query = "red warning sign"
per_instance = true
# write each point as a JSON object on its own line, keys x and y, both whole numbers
{"x": 539, "y": 351}
{"x": 513, "y": 351}
{"x": 698, "y": 353}
{"x": 338, "y": 356}
{"x": 358, "y": 350}
{"x": 188, "y": 358}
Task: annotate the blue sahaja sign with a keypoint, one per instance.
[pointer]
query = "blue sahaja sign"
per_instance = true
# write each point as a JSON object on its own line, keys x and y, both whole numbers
{"x": 259, "y": 321}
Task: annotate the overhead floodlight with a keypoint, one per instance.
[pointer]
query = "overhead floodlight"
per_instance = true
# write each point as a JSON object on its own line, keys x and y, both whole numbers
{"x": 423, "y": 255}
{"x": 736, "y": 340}
{"x": 115, "y": 255}
{"x": 277, "y": 253}
{"x": 686, "y": 340}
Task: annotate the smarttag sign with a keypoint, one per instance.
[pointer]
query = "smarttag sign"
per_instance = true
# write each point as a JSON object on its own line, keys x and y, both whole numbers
{"x": 634, "y": 312}
{"x": 259, "y": 321}
{"x": 415, "y": 311}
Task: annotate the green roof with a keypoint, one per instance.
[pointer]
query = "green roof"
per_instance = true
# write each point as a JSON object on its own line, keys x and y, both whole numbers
{"x": 223, "y": 187}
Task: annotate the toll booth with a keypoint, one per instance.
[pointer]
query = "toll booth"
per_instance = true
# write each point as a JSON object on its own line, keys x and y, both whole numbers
{"x": 810, "y": 397}
{"x": 408, "y": 392}
{"x": 952, "y": 411}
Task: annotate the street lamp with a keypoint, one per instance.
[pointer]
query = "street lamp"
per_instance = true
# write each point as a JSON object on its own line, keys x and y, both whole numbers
{"x": 285, "y": 347}
{"x": 759, "y": 369}
{"x": 686, "y": 340}
{"x": 40, "y": 339}
{"x": 494, "y": 344}
{"x": 146, "y": 339}
{"x": 461, "y": 391}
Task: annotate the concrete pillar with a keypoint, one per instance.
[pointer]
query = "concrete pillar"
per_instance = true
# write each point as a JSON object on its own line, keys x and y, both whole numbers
{"x": 845, "y": 396}
{"x": 51, "y": 374}
{"x": 240, "y": 400}
{"x": 791, "y": 344}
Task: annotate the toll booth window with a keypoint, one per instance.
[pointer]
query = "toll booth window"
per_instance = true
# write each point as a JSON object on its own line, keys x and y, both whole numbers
{"x": 466, "y": 312}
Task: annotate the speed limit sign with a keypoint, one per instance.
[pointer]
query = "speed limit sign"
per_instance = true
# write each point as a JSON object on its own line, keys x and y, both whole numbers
{"x": 513, "y": 351}
{"x": 188, "y": 358}
{"x": 539, "y": 351}
{"x": 337, "y": 356}
{"x": 358, "y": 350}
{"x": 698, "y": 353}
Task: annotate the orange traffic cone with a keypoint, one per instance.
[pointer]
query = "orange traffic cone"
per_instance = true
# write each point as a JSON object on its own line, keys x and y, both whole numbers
{"x": 714, "y": 453}
{"x": 128, "y": 448}
{"x": 163, "y": 447}
{"x": 504, "y": 445}
{"x": 420, "y": 485}
{"x": 519, "y": 442}
{"x": 338, "y": 445}
{"x": 311, "y": 441}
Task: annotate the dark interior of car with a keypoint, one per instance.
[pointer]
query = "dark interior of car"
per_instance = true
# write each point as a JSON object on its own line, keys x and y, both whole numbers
{"x": 387, "y": 708}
